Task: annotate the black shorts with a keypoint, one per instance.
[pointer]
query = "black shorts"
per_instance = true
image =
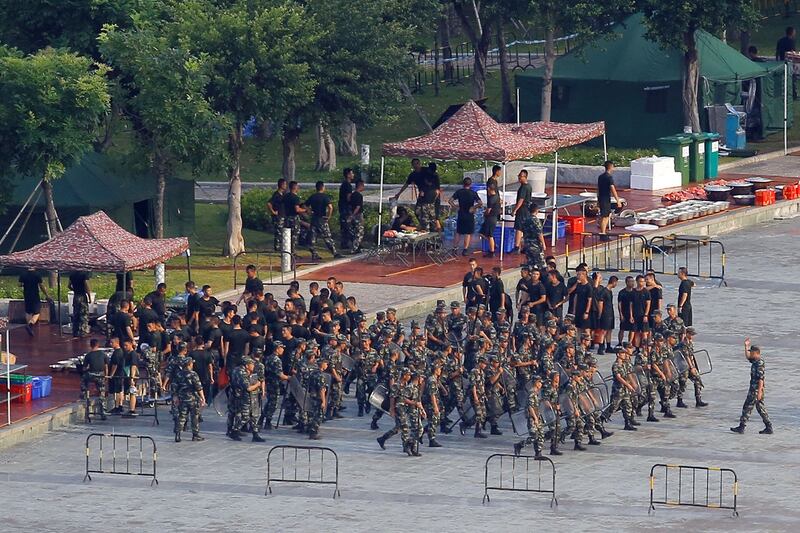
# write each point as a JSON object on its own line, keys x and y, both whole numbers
{"x": 489, "y": 224}
{"x": 686, "y": 315}
{"x": 116, "y": 384}
{"x": 641, "y": 324}
{"x": 625, "y": 325}
{"x": 583, "y": 323}
{"x": 520, "y": 219}
{"x": 605, "y": 207}
{"x": 33, "y": 307}
{"x": 465, "y": 224}
{"x": 605, "y": 322}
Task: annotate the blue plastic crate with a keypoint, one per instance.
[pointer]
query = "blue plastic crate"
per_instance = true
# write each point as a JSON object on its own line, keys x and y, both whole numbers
{"x": 508, "y": 243}
{"x": 36, "y": 391}
{"x": 46, "y": 385}
{"x": 561, "y": 228}
{"x": 478, "y": 187}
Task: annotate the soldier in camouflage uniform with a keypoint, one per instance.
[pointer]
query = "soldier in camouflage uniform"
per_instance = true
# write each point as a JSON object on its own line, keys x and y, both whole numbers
{"x": 477, "y": 392}
{"x": 755, "y": 393}
{"x": 452, "y": 378}
{"x": 436, "y": 329}
{"x": 397, "y": 407}
{"x": 389, "y": 374}
{"x": 535, "y": 422}
{"x": 550, "y": 387}
{"x": 273, "y": 374}
{"x": 456, "y": 321}
{"x": 674, "y": 323}
{"x": 432, "y": 401}
{"x": 190, "y": 400}
{"x": 239, "y": 412}
{"x": 687, "y": 348}
{"x": 534, "y": 244}
{"x": 369, "y": 361}
{"x": 355, "y": 220}
{"x": 174, "y": 365}
{"x": 495, "y": 392}
{"x": 316, "y": 386}
{"x": 658, "y": 380}
{"x": 257, "y": 377}
{"x": 411, "y": 432}
{"x": 621, "y": 390}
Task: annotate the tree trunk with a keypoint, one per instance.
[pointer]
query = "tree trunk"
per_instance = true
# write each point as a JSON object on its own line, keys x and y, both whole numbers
{"x": 235, "y": 242}
{"x": 347, "y": 138}
{"x": 50, "y": 209}
{"x": 290, "y": 140}
{"x": 444, "y": 38}
{"x": 744, "y": 41}
{"x": 101, "y": 145}
{"x": 161, "y": 186}
{"x": 326, "y": 152}
{"x": 547, "y": 78}
{"x": 507, "y": 112}
{"x": 479, "y": 71}
{"x": 691, "y": 78}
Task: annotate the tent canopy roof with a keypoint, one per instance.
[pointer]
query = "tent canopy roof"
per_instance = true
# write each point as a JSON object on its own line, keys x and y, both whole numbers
{"x": 95, "y": 243}
{"x": 628, "y": 56}
{"x": 472, "y": 135}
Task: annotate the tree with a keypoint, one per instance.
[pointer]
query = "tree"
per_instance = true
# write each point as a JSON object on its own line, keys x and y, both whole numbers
{"x": 674, "y": 24}
{"x": 257, "y": 52}
{"x": 164, "y": 99}
{"x": 51, "y": 104}
{"x": 587, "y": 20}
{"x": 360, "y": 56}
{"x": 477, "y": 20}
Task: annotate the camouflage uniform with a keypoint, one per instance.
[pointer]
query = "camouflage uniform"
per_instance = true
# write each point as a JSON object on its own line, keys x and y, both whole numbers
{"x": 80, "y": 314}
{"x": 356, "y": 226}
{"x": 293, "y": 223}
{"x": 257, "y": 376}
{"x": 535, "y": 425}
{"x": 410, "y": 419}
{"x": 272, "y": 370}
{"x": 432, "y": 390}
{"x": 369, "y": 379}
{"x": 152, "y": 358}
{"x": 99, "y": 381}
{"x": 532, "y": 230}
{"x": 239, "y": 413}
{"x": 454, "y": 386}
{"x": 548, "y": 372}
{"x": 757, "y": 373}
{"x": 477, "y": 383}
{"x": 277, "y": 225}
{"x": 426, "y": 214}
{"x": 188, "y": 387}
{"x": 687, "y": 348}
{"x": 620, "y": 395}
{"x": 320, "y": 227}
{"x": 315, "y": 383}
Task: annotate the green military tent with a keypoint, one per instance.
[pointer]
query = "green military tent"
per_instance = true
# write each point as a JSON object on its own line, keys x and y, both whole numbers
{"x": 635, "y": 86}
{"x": 124, "y": 190}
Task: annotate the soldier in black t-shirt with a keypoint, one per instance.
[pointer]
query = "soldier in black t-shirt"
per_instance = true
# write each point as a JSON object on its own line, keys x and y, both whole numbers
{"x": 522, "y": 207}
{"x": 468, "y": 202}
{"x": 321, "y": 210}
{"x": 685, "y": 296}
{"x": 345, "y": 194}
{"x": 355, "y": 217}
{"x": 427, "y": 184}
{"x": 293, "y": 208}
{"x": 277, "y": 208}
{"x": 31, "y": 285}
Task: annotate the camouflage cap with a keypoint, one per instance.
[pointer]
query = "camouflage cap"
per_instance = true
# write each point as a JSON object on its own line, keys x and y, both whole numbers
{"x": 481, "y": 307}
{"x": 658, "y": 337}
{"x": 441, "y": 309}
{"x": 552, "y": 324}
{"x": 482, "y": 359}
{"x": 391, "y": 310}
{"x": 312, "y": 344}
{"x": 440, "y": 303}
{"x": 691, "y": 331}
{"x": 143, "y": 347}
{"x": 454, "y": 304}
{"x": 380, "y": 315}
{"x": 247, "y": 360}
{"x": 405, "y": 370}
{"x": 472, "y": 309}
{"x": 501, "y": 311}
{"x": 278, "y": 344}
{"x": 186, "y": 361}
{"x": 415, "y": 325}
{"x": 182, "y": 346}
{"x": 569, "y": 316}
{"x": 657, "y": 312}
{"x": 671, "y": 306}
{"x": 586, "y": 337}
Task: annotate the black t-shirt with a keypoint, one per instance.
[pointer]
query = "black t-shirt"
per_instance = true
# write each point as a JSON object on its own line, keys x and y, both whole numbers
{"x": 237, "y": 340}
{"x": 192, "y": 305}
{"x": 582, "y": 294}
{"x": 30, "y": 285}
{"x": 278, "y": 203}
{"x": 253, "y": 285}
{"x": 624, "y": 300}
{"x": 496, "y": 289}
{"x": 213, "y": 336}
{"x": 427, "y": 183}
{"x": 131, "y": 358}
{"x": 318, "y": 202}
{"x": 345, "y": 191}
{"x": 555, "y": 293}
{"x": 290, "y": 203}
{"x": 466, "y": 199}
{"x": 158, "y": 304}
{"x": 536, "y": 291}
{"x": 656, "y": 294}
{"x": 492, "y": 206}
{"x": 639, "y": 301}
{"x": 122, "y": 321}
{"x": 479, "y": 282}
{"x": 78, "y": 282}
{"x": 118, "y": 360}
{"x": 467, "y": 284}
{"x": 344, "y": 322}
{"x": 94, "y": 362}
{"x": 146, "y": 316}
{"x": 524, "y": 193}
{"x": 256, "y": 343}
{"x": 402, "y": 220}
{"x": 604, "y": 183}
{"x": 202, "y": 358}
{"x": 785, "y": 44}
{"x": 207, "y": 307}
{"x": 685, "y": 288}
{"x": 356, "y": 202}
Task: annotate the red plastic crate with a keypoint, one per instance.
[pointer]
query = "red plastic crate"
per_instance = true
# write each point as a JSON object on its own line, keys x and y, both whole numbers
{"x": 575, "y": 223}
{"x": 25, "y": 392}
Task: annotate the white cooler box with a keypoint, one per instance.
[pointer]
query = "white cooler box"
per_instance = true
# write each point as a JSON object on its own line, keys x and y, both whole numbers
{"x": 655, "y": 183}
{"x": 653, "y": 166}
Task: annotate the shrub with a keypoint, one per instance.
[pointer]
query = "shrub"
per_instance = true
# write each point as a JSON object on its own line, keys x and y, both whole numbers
{"x": 255, "y": 214}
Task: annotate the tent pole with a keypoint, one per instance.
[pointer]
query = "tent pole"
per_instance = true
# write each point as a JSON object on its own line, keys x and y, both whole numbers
{"x": 785, "y": 108}
{"x": 554, "y": 227}
{"x": 485, "y": 171}
{"x": 605, "y": 148}
{"x": 380, "y": 202}
{"x": 502, "y": 215}
{"x": 8, "y": 373}
{"x": 25, "y": 205}
{"x": 58, "y": 303}
{"x": 517, "y": 106}
{"x": 188, "y": 265}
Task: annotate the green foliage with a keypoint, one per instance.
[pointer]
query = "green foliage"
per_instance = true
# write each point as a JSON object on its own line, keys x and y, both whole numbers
{"x": 255, "y": 214}
{"x": 50, "y": 106}
{"x": 31, "y": 25}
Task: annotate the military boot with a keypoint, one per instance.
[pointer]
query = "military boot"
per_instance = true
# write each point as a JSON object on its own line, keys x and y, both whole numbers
{"x": 681, "y": 404}
{"x": 495, "y": 430}
{"x": 443, "y": 427}
{"x": 479, "y": 434}
{"x": 415, "y": 450}
{"x": 177, "y": 436}
{"x": 650, "y": 416}
{"x": 537, "y": 451}
{"x": 433, "y": 443}
{"x": 257, "y": 437}
{"x": 197, "y": 438}
{"x": 579, "y": 447}
{"x": 314, "y": 436}
{"x": 234, "y": 435}
{"x": 698, "y": 402}
{"x": 738, "y": 429}
{"x": 767, "y": 430}
{"x": 382, "y": 442}
{"x": 360, "y": 410}
{"x": 629, "y": 427}
{"x": 605, "y": 433}
{"x": 593, "y": 441}
{"x": 669, "y": 413}
{"x": 373, "y": 425}
{"x": 518, "y": 447}
{"x": 554, "y": 450}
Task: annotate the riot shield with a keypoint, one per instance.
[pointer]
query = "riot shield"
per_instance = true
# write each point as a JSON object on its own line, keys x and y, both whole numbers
{"x": 220, "y": 403}
{"x": 548, "y": 413}
{"x": 299, "y": 394}
{"x": 586, "y": 403}
{"x": 568, "y": 408}
{"x": 641, "y": 379}
{"x": 670, "y": 371}
{"x": 348, "y": 363}
{"x": 519, "y": 421}
{"x": 702, "y": 361}
{"x": 680, "y": 362}
{"x": 379, "y": 399}
{"x": 494, "y": 406}
{"x": 600, "y": 397}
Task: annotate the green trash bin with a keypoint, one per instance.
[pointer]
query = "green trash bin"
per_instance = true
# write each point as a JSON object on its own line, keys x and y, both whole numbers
{"x": 711, "y": 141}
{"x": 697, "y": 159}
{"x": 678, "y": 147}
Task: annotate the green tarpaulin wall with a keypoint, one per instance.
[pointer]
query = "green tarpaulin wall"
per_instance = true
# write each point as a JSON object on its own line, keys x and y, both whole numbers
{"x": 126, "y": 193}
{"x": 635, "y": 86}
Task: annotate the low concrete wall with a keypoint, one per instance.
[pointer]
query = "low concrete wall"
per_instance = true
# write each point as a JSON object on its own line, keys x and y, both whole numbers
{"x": 39, "y": 425}
{"x": 572, "y": 174}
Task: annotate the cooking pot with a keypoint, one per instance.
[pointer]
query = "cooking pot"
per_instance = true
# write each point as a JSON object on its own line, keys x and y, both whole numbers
{"x": 744, "y": 199}
{"x": 740, "y": 188}
{"x": 759, "y": 182}
{"x": 718, "y": 193}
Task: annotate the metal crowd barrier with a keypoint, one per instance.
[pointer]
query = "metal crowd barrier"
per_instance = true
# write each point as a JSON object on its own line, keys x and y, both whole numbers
{"x": 300, "y": 467}
{"x": 709, "y": 496}
{"x": 125, "y": 460}
{"x": 703, "y": 257}
{"x": 520, "y": 476}
{"x": 144, "y": 401}
{"x": 614, "y": 253}
{"x": 271, "y": 256}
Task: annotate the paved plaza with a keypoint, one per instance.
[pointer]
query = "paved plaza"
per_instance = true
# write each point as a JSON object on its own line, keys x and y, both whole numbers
{"x": 219, "y": 484}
